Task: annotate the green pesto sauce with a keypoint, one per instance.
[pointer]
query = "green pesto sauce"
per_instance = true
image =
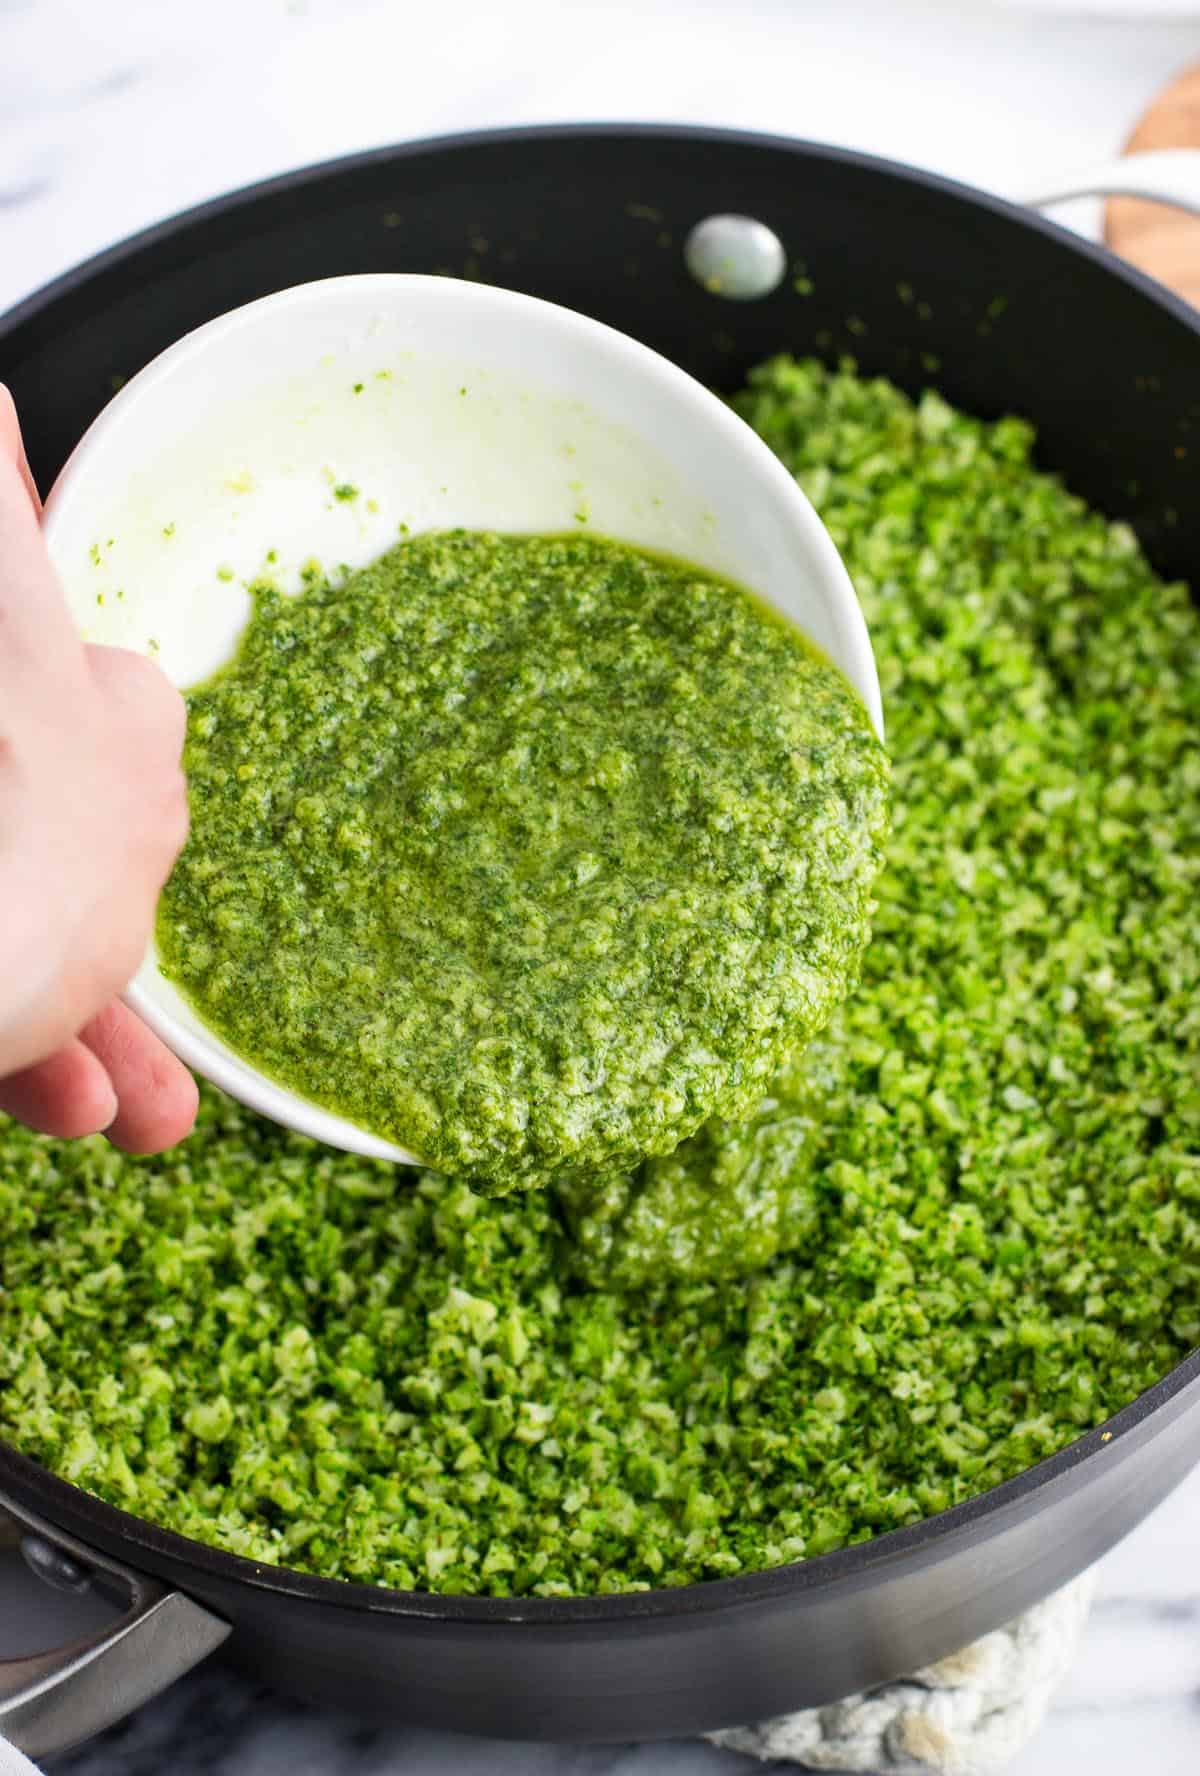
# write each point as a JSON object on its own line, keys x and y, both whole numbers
{"x": 529, "y": 853}
{"x": 989, "y": 1226}
{"x": 721, "y": 1205}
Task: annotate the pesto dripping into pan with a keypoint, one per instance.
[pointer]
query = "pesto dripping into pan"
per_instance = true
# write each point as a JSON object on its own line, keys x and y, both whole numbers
{"x": 530, "y": 854}
{"x": 971, "y": 1212}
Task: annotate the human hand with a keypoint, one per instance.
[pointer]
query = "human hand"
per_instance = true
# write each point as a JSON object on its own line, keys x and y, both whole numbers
{"x": 93, "y": 812}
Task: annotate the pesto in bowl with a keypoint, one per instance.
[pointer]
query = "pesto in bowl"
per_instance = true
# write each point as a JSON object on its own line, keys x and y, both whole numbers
{"x": 525, "y": 853}
{"x": 971, "y": 1210}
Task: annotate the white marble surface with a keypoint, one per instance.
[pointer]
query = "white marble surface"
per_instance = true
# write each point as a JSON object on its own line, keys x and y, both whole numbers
{"x": 116, "y": 112}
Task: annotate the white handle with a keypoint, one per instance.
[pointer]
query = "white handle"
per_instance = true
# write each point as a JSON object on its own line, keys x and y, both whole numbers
{"x": 1164, "y": 175}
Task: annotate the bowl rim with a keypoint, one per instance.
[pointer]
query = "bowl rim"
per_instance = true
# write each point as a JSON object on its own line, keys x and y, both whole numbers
{"x": 696, "y": 411}
{"x": 852, "y": 1567}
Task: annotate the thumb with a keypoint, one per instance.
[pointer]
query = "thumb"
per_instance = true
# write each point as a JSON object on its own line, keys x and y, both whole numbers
{"x": 11, "y": 447}
{"x": 35, "y": 623}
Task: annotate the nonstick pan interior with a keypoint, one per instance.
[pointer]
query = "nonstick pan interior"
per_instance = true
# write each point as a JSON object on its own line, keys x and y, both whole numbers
{"x": 918, "y": 280}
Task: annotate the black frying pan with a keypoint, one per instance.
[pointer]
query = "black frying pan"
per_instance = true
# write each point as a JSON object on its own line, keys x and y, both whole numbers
{"x": 1007, "y": 314}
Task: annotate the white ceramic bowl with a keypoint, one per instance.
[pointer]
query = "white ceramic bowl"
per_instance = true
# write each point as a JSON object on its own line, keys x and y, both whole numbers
{"x": 441, "y": 404}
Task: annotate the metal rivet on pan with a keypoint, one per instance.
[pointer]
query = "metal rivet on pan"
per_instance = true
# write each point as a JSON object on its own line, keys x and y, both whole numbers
{"x": 735, "y": 256}
{"x": 52, "y": 1566}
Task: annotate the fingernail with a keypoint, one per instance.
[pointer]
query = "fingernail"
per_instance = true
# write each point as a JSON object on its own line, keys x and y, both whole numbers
{"x": 112, "y": 1114}
{"x": 12, "y": 445}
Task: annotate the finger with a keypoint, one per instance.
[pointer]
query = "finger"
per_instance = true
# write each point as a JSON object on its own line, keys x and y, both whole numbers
{"x": 156, "y": 1095}
{"x": 143, "y": 689}
{"x": 35, "y": 623}
{"x": 151, "y": 718}
{"x": 12, "y": 446}
{"x": 68, "y": 1095}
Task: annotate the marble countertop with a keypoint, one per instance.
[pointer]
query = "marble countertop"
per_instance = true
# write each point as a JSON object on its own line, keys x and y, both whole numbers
{"x": 114, "y": 113}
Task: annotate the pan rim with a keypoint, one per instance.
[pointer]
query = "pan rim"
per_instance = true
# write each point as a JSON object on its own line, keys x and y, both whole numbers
{"x": 860, "y": 1564}
{"x": 28, "y": 307}
{"x": 124, "y": 1535}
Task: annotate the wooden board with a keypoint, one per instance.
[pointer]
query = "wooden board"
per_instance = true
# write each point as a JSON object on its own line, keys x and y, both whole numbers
{"x": 1162, "y": 241}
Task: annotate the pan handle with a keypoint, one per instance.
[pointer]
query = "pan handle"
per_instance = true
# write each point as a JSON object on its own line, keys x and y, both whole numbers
{"x": 1162, "y": 175}
{"x": 51, "y": 1701}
